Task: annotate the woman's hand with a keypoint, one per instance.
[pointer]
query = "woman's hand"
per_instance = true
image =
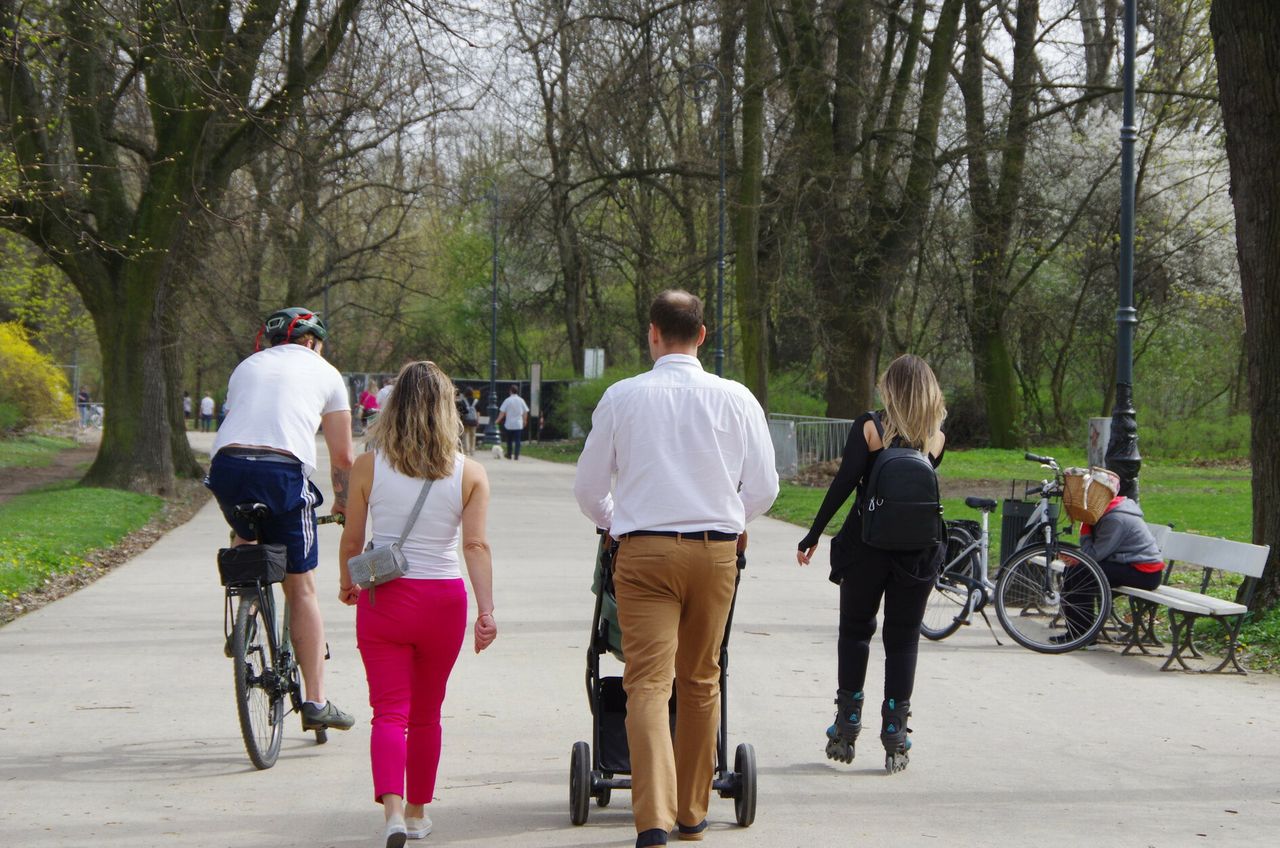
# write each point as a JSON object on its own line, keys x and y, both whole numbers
{"x": 349, "y": 594}
{"x": 486, "y": 630}
{"x": 803, "y": 555}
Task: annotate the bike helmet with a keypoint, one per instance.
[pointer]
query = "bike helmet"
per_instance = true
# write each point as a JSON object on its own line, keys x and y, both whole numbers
{"x": 285, "y": 325}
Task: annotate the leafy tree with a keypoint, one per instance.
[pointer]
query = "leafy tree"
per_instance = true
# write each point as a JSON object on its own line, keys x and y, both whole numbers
{"x": 124, "y": 124}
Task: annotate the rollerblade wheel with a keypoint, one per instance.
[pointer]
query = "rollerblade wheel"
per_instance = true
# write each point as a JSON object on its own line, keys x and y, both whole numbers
{"x": 895, "y": 761}
{"x": 839, "y": 749}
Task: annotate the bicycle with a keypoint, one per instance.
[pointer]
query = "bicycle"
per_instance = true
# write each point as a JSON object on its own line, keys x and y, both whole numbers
{"x": 1030, "y": 592}
{"x": 264, "y": 666}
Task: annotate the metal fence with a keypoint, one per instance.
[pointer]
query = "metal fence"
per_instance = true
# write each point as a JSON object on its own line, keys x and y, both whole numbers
{"x": 800, "y": 440}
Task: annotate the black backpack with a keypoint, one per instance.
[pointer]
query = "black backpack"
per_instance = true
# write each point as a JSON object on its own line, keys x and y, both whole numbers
{"x": 901, "y": 509}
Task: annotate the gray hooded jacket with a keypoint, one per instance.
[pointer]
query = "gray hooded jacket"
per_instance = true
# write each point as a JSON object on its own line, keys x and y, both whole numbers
{"x": 1121, "y": 536}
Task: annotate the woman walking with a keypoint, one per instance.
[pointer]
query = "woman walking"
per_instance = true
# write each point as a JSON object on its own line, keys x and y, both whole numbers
{"x": 903, "y": 577}
{"x": 411, "y": 631}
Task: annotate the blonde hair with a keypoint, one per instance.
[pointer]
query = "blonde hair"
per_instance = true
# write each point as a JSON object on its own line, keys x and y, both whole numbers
{"x": 417, "y": 430}
{"x": 913, "y": 404}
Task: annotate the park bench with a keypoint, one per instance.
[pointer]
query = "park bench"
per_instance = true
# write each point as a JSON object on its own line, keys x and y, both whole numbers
{"x": 1210, "y": 554}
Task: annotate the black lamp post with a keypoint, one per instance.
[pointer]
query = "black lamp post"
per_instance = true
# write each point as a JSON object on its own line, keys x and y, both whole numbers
{"x": 491, "y": 429}
{"x": 705, "y": 71}
{"x": 1122, "y": 448}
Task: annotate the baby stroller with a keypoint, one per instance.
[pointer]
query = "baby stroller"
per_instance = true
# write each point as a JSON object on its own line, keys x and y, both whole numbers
{"x": 596, "y": 769}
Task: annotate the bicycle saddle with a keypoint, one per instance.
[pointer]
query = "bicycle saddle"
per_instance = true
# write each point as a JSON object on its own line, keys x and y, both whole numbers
{"x": 984, "y": 504}
{"x": 252, "y": 511}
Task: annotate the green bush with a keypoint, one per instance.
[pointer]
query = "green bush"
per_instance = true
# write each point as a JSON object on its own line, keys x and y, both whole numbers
{"x": 581, "y": 399}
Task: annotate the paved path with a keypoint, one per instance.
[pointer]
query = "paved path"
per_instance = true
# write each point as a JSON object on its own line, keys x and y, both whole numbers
{"x": 117, "y": 724}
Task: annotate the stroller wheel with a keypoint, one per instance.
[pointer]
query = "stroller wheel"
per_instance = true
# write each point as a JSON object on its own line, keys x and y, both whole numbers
{"x": 579, "y": 782}
{"x": 744, "y": 800}
{"x": 603, "y": 796}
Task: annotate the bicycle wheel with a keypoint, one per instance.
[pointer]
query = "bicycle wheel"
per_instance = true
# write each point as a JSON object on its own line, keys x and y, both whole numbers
{"x": 1037, "y": 594}
{"x": 258, "y": 697}
{"x": 950, "y": 595}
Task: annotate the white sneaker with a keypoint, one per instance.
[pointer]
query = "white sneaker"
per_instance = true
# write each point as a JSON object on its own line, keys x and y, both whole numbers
{"x": 418, "y": 828}
{"x": 396, "y": 833}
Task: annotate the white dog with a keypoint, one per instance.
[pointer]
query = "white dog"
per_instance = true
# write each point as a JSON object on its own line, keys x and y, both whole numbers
{"x": 497, "y": 451}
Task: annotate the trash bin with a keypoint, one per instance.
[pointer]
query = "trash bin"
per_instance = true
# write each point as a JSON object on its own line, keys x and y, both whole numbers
{"x": 1013, "y": 517}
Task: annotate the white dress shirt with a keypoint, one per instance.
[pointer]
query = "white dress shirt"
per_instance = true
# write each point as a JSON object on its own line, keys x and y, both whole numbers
{"x": 691, "y": 451}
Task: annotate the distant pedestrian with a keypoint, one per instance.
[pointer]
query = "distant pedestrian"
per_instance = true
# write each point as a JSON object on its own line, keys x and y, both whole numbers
{"x": 470, "y": 420}
{"x": 368, "y": 407}
{"x": 222, "y": 413}
{"x": 83, "y": 400}
{"x": 186, "y": 406}
{"x": 206, "y": 412}
{"x": 385, "y": 392}
{"x": 511, "y": 417}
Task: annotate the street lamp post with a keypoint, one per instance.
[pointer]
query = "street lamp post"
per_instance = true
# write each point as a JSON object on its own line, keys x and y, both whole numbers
{"x": 705, "y": 71}
{"x": 491, "y": 429}
{"x": 1122, "y": 448}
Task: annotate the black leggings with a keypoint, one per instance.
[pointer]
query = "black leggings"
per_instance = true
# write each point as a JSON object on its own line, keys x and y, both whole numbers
{"x": 904, "y": 598}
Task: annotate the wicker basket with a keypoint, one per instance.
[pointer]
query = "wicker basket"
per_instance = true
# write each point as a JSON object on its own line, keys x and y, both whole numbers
{"x": 1087, "y": 492}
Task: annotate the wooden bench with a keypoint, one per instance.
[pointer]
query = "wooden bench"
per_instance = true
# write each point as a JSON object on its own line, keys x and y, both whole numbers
{"x": 1184, "y": 606}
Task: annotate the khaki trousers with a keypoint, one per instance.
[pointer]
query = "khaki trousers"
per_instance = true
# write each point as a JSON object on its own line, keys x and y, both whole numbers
{"x": 673, "y": 600}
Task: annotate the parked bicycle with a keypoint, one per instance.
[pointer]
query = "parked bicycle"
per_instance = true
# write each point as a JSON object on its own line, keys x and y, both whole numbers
{"x": 1030, "y": 592}
{"x": 266, "y": 671}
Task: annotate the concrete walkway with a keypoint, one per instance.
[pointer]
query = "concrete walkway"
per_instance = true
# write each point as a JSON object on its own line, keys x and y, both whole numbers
{"x": 118, "y": 725}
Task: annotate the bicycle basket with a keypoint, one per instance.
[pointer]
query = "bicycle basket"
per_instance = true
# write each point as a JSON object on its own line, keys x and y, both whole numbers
{"x": 252, "y": 564}
{"x": 1087, "y": 492}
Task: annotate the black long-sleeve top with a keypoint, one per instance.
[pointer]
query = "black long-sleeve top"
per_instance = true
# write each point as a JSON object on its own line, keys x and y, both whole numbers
{"x": 855, "y": 464}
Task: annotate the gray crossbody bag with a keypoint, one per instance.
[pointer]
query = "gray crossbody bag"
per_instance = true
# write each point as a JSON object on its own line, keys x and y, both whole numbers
{"x": 382, "y": 565}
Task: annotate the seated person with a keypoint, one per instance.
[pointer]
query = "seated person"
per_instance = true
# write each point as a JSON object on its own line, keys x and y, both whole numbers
{"x": 1121, "y": 543}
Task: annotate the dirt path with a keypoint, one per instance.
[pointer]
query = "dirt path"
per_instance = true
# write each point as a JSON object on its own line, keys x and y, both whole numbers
{"x": 67, "y": 465}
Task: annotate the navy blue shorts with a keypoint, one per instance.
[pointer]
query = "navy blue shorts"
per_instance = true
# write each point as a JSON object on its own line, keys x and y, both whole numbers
{"x": 290, "y": 496}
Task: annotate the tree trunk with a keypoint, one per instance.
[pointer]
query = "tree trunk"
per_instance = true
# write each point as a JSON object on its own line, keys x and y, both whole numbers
{"x": 1246, "y": 35}
{"x": 752, "y": 302}
{"x": 136, "y": 411}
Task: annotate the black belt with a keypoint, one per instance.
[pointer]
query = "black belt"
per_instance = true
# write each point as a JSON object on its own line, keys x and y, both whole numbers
{"x": 704, "y": 535}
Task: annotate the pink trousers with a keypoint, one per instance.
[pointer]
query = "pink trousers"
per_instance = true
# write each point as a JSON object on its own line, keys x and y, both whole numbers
{"x": 409, "y": 640}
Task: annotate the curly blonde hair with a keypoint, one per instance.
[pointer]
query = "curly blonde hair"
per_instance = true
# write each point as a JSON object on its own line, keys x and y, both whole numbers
{"x": 417, "y": 430}
{"x": 913, "y": 404}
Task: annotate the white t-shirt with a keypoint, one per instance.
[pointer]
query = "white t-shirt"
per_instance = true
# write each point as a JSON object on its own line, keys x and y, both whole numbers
{"x": 276, "y": 398}
{"x": 516, "y": 409}
{"x": 206, "y": 405}
{"x": 431, "y": 547}
{"x": 383, "y": 394}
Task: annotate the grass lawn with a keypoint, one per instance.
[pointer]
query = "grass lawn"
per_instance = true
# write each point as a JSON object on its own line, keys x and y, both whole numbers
{"x": 566, "y": 450}
{"x": 31, "y": 451}
{"x": 52, "y": 531}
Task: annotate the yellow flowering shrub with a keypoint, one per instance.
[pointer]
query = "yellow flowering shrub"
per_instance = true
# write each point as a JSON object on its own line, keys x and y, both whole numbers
{"x": 30, "y": 383}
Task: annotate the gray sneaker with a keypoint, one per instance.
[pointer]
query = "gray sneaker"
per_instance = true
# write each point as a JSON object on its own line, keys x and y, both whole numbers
{"x": 314, "y": 718}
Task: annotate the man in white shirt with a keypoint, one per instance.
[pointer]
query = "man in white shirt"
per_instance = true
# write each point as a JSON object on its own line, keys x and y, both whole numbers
{"x": 265, "y": 452}
{"x": 511, "y": 418}
{"x": 693, "y": 463}
{"x": 206, "y": 412}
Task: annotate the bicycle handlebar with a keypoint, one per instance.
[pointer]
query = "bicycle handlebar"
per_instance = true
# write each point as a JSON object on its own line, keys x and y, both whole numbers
{"x": 1044, "y": 460}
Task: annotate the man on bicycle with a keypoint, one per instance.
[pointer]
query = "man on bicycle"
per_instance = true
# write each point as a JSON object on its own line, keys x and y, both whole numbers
{"x": 265, "y": 452}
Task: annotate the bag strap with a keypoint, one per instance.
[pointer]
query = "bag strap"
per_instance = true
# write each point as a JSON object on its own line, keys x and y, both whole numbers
{"x": 413, "y": 516}
{"x": 417, "y": 508}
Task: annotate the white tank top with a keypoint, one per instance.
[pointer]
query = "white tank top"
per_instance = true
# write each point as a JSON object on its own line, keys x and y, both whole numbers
{"x": 432, "y": 544}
